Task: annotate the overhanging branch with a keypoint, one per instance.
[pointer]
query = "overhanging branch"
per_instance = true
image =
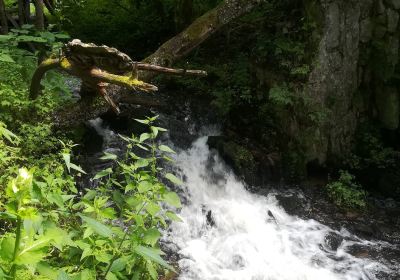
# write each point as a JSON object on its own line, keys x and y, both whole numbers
{"x": 167, "y": 54}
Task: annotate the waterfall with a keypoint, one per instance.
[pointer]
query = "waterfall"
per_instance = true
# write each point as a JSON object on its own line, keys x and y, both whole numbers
{"x": 228, "y": 233}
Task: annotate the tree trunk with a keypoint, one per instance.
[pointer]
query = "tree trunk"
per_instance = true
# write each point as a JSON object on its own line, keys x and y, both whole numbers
{"x": 27, "y": 10}
{"x": 196, "y": 33}
{"x": 3, "y": 18}
{"x": 50, "y": 6}
{"x": 39, "y": 14}
{"x": 21, "y": 12}
{"x": 171, "y": 51}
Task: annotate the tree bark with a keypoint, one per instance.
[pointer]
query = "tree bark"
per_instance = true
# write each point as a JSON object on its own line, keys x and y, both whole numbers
{"x": 168, "y": 53}
{"x": 39, "y": 14}
{"x": 21, "y": 12}
{"x": 196, "y": 33}
{"x": 3, "y": 18}
{"x": 27, "y": 10}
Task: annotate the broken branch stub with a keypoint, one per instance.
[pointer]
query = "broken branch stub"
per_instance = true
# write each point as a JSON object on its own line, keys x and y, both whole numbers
{"x": 98, "y": 66}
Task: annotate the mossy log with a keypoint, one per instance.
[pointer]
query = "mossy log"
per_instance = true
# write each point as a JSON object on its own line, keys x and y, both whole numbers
{"x": 166, "y": 55}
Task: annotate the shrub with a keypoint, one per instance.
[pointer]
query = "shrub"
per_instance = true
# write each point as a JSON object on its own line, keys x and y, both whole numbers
{"x": 346, "y": 193}
{"x": 50, "y": 230}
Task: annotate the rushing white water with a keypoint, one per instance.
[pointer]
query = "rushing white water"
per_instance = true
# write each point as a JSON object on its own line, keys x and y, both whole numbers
{"x": 240, "y": 239}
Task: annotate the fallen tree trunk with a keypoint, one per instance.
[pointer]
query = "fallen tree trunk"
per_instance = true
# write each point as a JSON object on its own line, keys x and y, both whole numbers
{"x": 167, "y": 54}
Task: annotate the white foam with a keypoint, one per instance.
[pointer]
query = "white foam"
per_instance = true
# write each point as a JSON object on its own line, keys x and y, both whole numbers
{"x": 246, "y": 243}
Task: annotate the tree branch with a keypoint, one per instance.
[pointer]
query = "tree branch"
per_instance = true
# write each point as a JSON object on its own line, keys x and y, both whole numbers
{"x": 167, "y": 54}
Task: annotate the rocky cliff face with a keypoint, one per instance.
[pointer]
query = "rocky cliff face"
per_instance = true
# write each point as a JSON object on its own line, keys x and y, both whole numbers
{"x": 354, "y": 73}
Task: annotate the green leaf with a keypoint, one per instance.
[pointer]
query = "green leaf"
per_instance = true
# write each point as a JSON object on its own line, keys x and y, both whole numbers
{"x": 6, "y": 58}
{"x": 172, "y": 199}
{"x": 173, "y": 217}
{"x": 142, "y": 121}
{"x": 56, "y": 199}
{"x": 151, "y": 236}
{"x": 166, "y": 149}
{"x": 111, "y": 276}
{"x": 7, "y": 248}
{"x": 5, "y": 38}
{"x": 160, "y": 128}
{"x": 26, "y": 38}
{"x": 62, "y": 36}
{"x": 7, "y": 216}
{"x": 103, "y": 257}
{"x": 152, "y": 271}
{"x": 63, "y": 275}
{"x": 142, "y": 147}
{"x": 154, "y": 130}
{"x": 141, "y": 163}
{"x": 67, "y": 160}
{"x": 144, "y": 186}
{"x": 152, "y": 254}
{"x": 31, "y": 256}
{"x": 46, "y": 270}
{"x": 97, "y": 227}
{"x": 153, "y": 208}
{"x": 77, "y": 168}
{"x": 118, "y": 265}
{"x": 173, "y": 179}
{"x": 108, "y": 156}
{"x": 144, "y": 137}
{"x": 103, "y": 173}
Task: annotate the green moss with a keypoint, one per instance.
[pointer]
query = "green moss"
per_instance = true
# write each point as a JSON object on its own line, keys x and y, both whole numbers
{"x": 242, "y": 158}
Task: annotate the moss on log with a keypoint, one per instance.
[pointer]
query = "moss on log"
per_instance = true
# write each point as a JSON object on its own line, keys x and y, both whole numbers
{"x": 166, "y": 55}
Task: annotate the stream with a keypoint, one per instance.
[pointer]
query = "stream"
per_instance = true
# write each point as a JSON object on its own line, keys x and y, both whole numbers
{"x": 229, "y": 233}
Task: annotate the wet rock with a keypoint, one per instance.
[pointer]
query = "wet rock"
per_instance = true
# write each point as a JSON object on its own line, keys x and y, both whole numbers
{"x": 392, "y": 20}
{"x": 395, "y": 4}
{"x": 333, "y": 241}
{"x": 210, "y": 219}
{"x": 366, "y": 28}
{"x": 294, "y": 204}
{"x": 333, "y": 18}
{"x": 388, "y": 103}
{"x": 380, "y": 7}
{"x": 364, "y": 230}
{"x": 251, "y": 163}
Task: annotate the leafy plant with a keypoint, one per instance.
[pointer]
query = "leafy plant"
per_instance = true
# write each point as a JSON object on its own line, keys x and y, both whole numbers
{"x": 111, "y": 232}
{"x": 346, "y": 193}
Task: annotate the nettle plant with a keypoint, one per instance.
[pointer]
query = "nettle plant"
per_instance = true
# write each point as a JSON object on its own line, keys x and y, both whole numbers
{"x": 50, "y": 230}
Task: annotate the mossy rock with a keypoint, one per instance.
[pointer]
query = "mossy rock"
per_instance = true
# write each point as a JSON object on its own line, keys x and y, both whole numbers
{"x": 237, "y": 156}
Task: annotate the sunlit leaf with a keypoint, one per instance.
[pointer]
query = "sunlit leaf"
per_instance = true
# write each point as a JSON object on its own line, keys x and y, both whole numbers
{"x": 144, "y": 186}
{"x": 151, "y": 236}
{"x": 173, "y": 179}
{"x": 166, "y": 149}
{"x": 172, "y": 199}
{"x": 103, "y": 173}
{"x": 173, "y": 217}
{"x": 152, "y": 254}
{"x": 7, "y": 248}
{"x": 108, "y": 156}
{"x": 97, "y": 227}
